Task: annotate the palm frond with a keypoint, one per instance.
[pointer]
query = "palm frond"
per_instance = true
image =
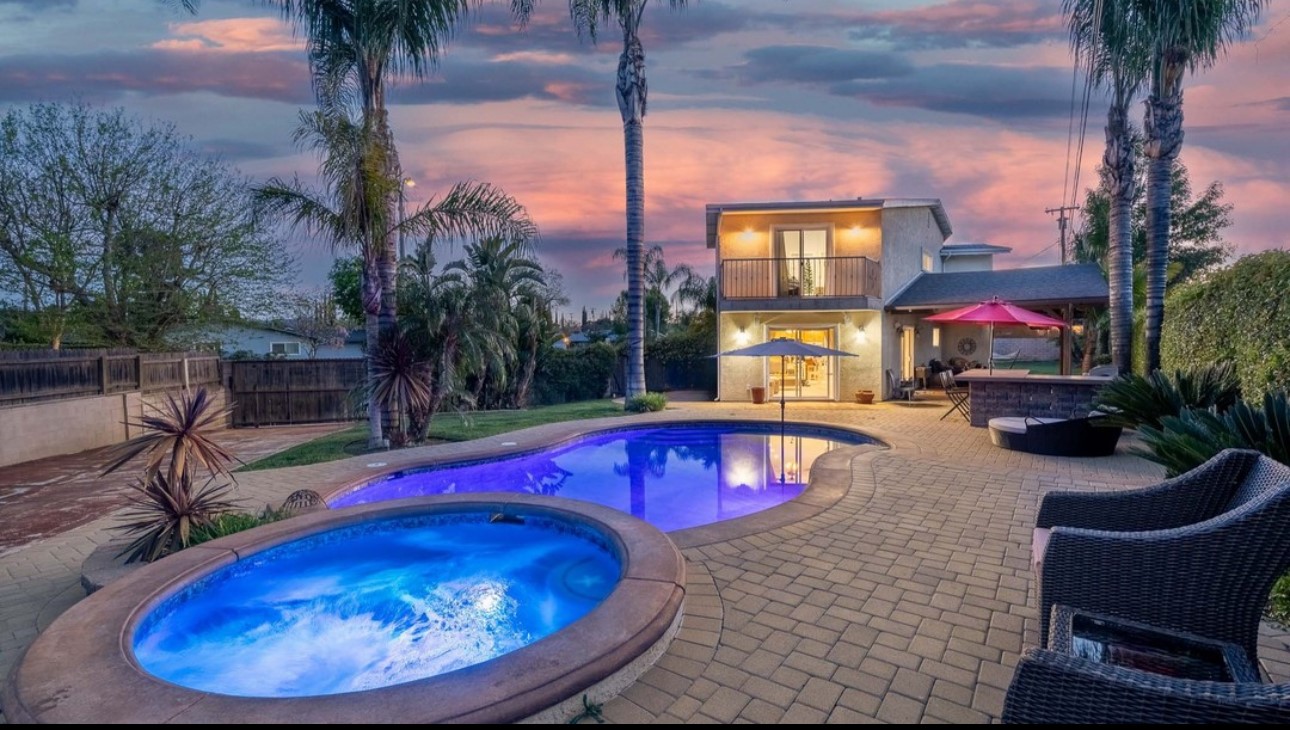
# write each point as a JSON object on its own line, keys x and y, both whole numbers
{"x": 472, "y": 209}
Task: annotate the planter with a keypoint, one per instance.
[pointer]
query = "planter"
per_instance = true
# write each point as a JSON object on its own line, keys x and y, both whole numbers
{"x": 864, "y": 397}
{"x": 758, "y": 393}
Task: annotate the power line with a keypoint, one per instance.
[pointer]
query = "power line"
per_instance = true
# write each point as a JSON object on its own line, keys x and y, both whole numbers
{"x": 1061, "y": 225}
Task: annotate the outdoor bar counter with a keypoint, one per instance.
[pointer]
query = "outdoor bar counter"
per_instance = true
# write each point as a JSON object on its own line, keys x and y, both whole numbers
{"x": 1018, "y": 393}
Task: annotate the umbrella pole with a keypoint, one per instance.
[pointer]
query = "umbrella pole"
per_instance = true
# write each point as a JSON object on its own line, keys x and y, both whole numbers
{"x": 991, "y": 350}
{"x": 783, "y": 467}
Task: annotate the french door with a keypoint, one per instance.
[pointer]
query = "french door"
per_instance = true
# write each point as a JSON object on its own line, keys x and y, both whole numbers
{"x": 807, "y": 378}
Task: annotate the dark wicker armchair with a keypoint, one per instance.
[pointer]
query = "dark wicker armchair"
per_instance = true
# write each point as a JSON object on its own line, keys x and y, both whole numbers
{"x": 1197, "y": 553}
{"x": 1049, "y": 687}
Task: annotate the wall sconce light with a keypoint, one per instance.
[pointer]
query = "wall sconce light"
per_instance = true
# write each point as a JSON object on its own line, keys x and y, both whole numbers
{"x": 936, "y": 337}
{"x": 855, "y": 229}
{"x": 742, "y": 336}
{"x": 862, "y": 337}
{"x": 747, "y": 235}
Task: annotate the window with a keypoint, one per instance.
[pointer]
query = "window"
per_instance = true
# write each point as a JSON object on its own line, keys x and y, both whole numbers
{"x": 927, "y": 260}
{"x": 936, "y": 337}
{"x": 284, "y": 349}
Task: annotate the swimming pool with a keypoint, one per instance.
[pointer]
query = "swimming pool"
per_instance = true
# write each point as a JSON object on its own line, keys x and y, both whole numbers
{"x": 377, "y": 604}
{"x": 673, "y": 476}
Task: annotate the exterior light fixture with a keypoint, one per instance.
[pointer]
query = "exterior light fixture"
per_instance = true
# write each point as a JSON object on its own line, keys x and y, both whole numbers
{"x": 862, "y": 337}
{"x": 742, "y": 336}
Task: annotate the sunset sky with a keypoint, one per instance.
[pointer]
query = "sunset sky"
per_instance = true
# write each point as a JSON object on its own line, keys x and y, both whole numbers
{"x": 964, "y": 100}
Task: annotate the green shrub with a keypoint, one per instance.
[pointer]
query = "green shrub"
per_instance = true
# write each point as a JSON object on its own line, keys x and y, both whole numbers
{"x": 233, "y": 522}
{"x": 647, "y": 403}
{"x": 565, "y": 376}
{"x": 1238, "y": 314}
{"x": 1145, "y": 401}
{"x": 1183, "y": 442}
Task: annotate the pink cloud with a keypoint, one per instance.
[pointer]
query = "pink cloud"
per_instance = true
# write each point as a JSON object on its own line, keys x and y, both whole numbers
{"x": 232, "y": 35}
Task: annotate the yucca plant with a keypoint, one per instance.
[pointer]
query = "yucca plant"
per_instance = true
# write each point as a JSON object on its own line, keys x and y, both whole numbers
{"x": 164, "y": 515}
{"x": 1134, "y": 401}
{"x": 400, "y": 380}
{"x": 179, "y": 430}
{"x": 177, "y": 443}
{"x": 1189, "y": 439}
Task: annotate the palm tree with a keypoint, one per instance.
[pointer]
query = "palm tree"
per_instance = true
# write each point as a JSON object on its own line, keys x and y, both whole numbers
{"x": 341, "y": 213}
{"x": 349, "y": 213}
{"x": 1103, "y": 34}
{"x": 1183, "y": 36}
{"x": 658, "y": 278}
{"x": 588, "y": 17}
{"x": 354, "y": 46}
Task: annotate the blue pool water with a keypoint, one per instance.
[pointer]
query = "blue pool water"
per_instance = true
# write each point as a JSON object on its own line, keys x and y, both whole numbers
{"x": 376, "y": 604}
{"x": 670, "y": 476}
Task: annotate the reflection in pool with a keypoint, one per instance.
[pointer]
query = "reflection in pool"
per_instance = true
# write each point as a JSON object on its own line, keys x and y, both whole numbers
{"x": 673, "y": 477}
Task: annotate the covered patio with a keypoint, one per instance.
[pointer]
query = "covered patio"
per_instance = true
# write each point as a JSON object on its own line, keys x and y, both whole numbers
{"x": 1073, "y": 293}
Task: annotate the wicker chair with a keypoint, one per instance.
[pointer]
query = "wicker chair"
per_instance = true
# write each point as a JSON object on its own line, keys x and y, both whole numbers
{"x": 1050, "y": 687}
{"x": 1197, "y": 553}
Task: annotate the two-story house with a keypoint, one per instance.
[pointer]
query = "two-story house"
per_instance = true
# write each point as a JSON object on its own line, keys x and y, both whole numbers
{"x": 857, "y": 275}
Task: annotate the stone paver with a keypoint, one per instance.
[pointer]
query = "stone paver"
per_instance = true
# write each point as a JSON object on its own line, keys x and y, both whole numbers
{"x": 907, "y": 601}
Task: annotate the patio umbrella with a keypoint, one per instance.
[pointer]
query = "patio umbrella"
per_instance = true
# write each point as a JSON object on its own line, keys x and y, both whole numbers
{"x": 784, "y": 348}
{"x": 996, "y": 311}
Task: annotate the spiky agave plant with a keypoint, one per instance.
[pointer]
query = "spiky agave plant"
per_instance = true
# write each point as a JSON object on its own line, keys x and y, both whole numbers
{"x": 166, "y": 507}
{"x": 180, "y": 429}
{"x": 163, "y": 515}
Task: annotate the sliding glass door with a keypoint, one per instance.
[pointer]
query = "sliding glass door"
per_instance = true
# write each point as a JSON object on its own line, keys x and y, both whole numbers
{"x": 803, "y": 377}
{"x": 802, "y": 254}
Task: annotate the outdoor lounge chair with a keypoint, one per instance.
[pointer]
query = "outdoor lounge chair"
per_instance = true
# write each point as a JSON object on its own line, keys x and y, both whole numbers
{"x": 1087, "y": 436}
{"x": 900, "y": 388}
{"x": 1197, "y": 553}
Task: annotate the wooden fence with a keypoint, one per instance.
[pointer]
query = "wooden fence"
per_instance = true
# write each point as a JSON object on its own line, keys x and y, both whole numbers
{"x": 33, "y": 376}
{"x": 270, "y": 392}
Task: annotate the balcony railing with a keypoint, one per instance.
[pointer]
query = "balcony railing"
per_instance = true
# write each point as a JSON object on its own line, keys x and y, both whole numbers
{"x": 822, "y": 277}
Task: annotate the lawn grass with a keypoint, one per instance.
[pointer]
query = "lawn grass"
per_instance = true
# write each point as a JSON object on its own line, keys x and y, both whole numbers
{"x": 445, "y": 427}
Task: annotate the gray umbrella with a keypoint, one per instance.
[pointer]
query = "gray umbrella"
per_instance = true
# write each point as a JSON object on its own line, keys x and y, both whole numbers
{"x": 784, "y": 348}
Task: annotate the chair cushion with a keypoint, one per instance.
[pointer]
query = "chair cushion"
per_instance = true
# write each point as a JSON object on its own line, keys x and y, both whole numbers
{"x": 1038, "y": 546}
{"x": 1017, "y": 424}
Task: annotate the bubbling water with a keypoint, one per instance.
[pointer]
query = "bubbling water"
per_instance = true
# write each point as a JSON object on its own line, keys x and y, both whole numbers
{"x": 375, "y": 605}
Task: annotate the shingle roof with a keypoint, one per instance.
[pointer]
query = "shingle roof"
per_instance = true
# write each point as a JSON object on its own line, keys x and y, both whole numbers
{"x": 1076, "y": 284}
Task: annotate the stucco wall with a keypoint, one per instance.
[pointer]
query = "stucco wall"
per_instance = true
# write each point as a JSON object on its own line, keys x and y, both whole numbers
{"x": 52, "y": 428}
{"x": 736, "y": 374}
{"x": 748, "y": 235}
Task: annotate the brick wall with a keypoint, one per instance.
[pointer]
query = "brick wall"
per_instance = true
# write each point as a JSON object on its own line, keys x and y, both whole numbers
{"x": 1053, "y": 399}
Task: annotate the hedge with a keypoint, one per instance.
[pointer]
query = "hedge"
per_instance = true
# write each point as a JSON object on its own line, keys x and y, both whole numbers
{"x": 565, "y": 376}
{"x": 1241, "y": 314}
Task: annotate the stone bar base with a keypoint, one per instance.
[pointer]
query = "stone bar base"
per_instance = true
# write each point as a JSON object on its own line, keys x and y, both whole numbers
{"x": 1045, "y": 396}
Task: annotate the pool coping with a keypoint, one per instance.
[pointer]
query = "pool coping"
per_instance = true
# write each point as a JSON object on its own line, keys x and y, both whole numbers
{"x": 81, "y": 669}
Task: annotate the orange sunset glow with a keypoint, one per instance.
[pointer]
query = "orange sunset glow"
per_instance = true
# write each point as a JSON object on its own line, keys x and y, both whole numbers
{"x": 965, "y": 101}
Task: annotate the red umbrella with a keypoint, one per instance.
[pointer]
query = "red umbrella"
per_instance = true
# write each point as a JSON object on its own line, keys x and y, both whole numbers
{"x": 996, "y": 311}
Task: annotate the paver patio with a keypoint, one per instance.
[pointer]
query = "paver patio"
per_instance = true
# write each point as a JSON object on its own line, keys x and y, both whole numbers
{"x": 907, "y": 601}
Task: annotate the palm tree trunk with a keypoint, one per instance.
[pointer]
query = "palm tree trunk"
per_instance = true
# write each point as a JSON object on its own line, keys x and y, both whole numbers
{"x": 1118, "y": 175}
{"x": 631, "y": 105}
{"x": 376, "y": 436}
{"x": 387, "y": 253}
{"x": 1163, "y": 128}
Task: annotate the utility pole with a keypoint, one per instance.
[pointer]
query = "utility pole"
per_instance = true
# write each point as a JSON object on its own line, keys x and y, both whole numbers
{"x": 1061, "y": 224}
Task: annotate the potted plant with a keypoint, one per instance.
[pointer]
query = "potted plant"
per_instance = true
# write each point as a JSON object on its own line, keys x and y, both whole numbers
{"x": 864, "y": 397}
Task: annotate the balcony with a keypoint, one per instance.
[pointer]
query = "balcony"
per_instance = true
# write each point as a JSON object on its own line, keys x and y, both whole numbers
{"x": 826, "y": 282}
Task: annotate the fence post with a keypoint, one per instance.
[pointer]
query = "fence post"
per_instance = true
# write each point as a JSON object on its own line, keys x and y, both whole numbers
{"x": 103, "y": 374}
{"x": 185, "y": 362}
{"x": 138, "y": 370}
